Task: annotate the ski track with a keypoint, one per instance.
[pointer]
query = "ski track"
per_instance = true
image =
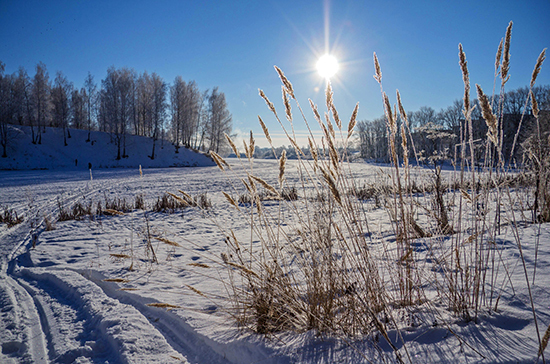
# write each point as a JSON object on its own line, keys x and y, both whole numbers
{"x": 52, "y": 315}
{"x": 46, "y": 319}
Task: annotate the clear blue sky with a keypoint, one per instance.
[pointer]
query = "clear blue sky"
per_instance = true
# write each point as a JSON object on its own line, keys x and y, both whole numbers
{"x": 234, "y": 45}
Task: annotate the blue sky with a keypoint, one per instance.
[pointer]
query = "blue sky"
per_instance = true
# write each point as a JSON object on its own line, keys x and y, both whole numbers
{"x": 234, "y": 45}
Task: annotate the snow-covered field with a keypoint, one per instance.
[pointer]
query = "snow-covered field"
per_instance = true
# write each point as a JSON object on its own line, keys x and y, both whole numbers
{"x": 67, "y": 294}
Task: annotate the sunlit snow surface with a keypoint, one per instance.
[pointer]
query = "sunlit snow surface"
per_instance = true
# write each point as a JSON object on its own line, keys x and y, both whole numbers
{"x": 56, "y": 307}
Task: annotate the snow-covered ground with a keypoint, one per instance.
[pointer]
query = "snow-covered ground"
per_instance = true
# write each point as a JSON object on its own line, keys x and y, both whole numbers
{"x": 100, "y": 151}
{"x": 67, "y": 294}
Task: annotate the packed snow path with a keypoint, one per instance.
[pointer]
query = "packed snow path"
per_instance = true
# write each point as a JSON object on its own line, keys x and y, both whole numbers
{"x": 58, "y": 315}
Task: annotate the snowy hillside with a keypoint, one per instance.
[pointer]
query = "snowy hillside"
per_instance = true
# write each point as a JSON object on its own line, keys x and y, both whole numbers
{"x": 101, "y": 152}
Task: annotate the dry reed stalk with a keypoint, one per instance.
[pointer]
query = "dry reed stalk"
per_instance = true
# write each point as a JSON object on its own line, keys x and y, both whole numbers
{"x": 498, "y": 57}
{"x": 536, "y": 70}
{"x": 534, "y": 104}
{"x": 269, "y": 103}
{"x": 329, "y": 95}
{"x": 402, "y": 109}
{"x": 266, "y": 131}
{"x": 167, "y": 241}
{"x": 329, "y": 126}
{"x": 506, "y": 55}
{"x": 487, "y": 113}
{"x": 315, "y": 111}
{"x": 265, "y": 185}
{"x": 116, "y": 280}
{"x": 295, "y": 146}
{"x": 195, "y": 290}
{"x": 336, "y": 117}
{"x": 122, "y": 256}
{"x": 378, "y": 72}
{"x": 313, "y": 149}
{"x": 231, "y": 200}
{"x": 186, "y": 195}
{"x": 332, "y": 185}
{"x": 243, "y": 268}
{"x": 199, "y": 265}
{"x": 250, "y": 150}
{"x": 163, "y": 305}
{"x": 286, "y": 102}
{"x": 353, "y": 120}
{"x": 538, "y": 65}
{"x": 466, "y": 78}
{"x": 544, "y": 341}
{"x": 282, "y": 163}
{"x": 232, "y": 145}
{"x": 177, "y": 198}
{"x": 220, "y": 162}
{"x": 405, "y": 149}
{"x": 113, "y": 212}
{"x": 285, "y": 82}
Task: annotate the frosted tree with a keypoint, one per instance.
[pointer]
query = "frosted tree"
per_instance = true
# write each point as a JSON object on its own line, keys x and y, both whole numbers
{"x": 185, "y": 108}
{"x": 219, "y": 121}
{"x": 143, "y": 105}
{"x": 78, "y": 108}
{"x": 6, "y": 110}
{"x": 60, "y": 95}
{"x": 40, "y": 99}
{"x": 91, "y": 101}
{"x": 117, "y": 106}
{"x": 158, "y": 110}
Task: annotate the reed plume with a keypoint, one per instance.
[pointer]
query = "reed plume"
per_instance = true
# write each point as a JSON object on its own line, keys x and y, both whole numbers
{"x": 466, "y": 78}
{"x": 378, "y": 72}
{"x": 538, "y": 65}
{"x": 487, "y": 113}
{"x": 266, "y": 131}
{"x": 506, "y": 55}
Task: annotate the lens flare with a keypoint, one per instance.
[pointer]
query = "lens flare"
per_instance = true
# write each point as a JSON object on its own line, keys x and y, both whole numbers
{"x": 327, "y": 66}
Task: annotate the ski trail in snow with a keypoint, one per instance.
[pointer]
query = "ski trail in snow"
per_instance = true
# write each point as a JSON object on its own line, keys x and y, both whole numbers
{"x": 30, "y": 331}
{"x": 20, "y": 327}
{"x": 83, "y": 324}
{"x": 179, "y": 334}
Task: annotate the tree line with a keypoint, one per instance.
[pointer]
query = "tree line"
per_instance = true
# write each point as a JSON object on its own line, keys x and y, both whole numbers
{"x": 436, "y": 135}
{"x": 124, "y": 102}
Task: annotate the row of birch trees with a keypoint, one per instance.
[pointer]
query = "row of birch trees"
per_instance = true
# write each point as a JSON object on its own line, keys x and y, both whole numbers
{"x": 124, "y": 102}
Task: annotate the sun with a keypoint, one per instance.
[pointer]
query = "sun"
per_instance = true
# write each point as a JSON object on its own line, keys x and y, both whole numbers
{"x": 327, "y": 66}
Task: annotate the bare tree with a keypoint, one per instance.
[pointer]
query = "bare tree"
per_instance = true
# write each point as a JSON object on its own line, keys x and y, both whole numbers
{"x": 219, "y": 122}
{"x": 6, "y": 109}
{"x": 90, "y": 99}
{"x": 20, "y": 100}
{"x": 143, "y": 105}
{"x": 116, "y": 105}
{"x": 158, "y": 112}
{"x": 61, "y": 93}
{"x": 185, "y": 105}
{"x": 41, "y": 102}
{"x": 78, "y": 108}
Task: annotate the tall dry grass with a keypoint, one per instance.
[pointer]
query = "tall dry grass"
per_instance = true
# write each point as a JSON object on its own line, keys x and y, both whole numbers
{"x": 311, "y": 263}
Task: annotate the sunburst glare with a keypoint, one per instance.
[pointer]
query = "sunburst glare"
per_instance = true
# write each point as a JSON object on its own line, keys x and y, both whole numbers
{"x": 327, "y": 66}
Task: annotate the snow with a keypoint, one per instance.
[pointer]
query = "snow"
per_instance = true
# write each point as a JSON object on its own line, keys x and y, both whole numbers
{"x": 100, "y": 152}
{"x": 72, "y": 298}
